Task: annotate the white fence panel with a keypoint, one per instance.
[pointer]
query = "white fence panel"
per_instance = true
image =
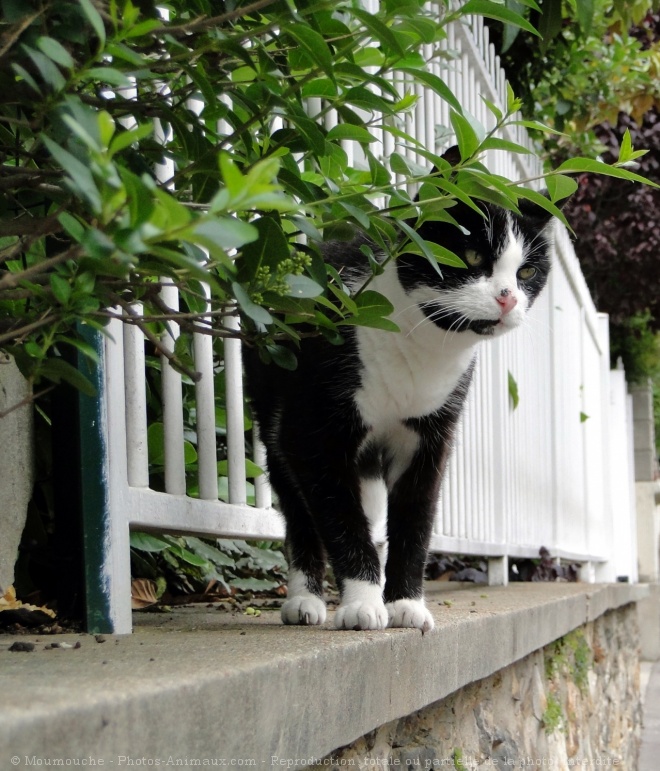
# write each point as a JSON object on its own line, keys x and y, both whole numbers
{"x": 537, "y": 475}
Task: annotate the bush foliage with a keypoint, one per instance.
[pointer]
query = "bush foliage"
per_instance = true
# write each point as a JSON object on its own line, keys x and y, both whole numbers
{"x": 189, "y": 145}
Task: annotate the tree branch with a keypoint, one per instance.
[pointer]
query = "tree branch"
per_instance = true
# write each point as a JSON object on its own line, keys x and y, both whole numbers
{"x": 153, "y": 339}
{"x": 212, "y": 21}
{"x": 11, "y": 280}
{"x": 24, "y": 402}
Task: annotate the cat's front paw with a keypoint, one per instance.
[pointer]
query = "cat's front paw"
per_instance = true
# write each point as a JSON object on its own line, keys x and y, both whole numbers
{"x": 410, "y": 613}
{"x": 307, "y": 611}
{"x": 361, "y": 615}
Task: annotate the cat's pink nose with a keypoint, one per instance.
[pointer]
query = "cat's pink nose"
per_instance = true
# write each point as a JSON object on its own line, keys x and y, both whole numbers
{"x": 507, "y": 301}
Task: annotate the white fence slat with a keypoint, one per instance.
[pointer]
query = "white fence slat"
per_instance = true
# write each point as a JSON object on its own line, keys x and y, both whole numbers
{"x": 207, "y": 457}
{"x": 175, "y": 466}
{"x": 235, "y": 422}
{"x": 116, "y": 571}
{"x": 136, "y": 404}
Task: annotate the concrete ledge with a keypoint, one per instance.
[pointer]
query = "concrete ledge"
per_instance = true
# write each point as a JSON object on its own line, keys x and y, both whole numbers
{"x": 200, "y": 684}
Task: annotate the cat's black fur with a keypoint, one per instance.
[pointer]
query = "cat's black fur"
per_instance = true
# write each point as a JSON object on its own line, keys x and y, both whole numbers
{"x": 379, "y": 412}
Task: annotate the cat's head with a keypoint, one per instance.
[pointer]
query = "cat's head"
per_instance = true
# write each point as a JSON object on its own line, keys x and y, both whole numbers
{"x": 507, "y": 259}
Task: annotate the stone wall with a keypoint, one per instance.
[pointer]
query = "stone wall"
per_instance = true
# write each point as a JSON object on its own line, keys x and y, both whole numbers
{"x": 573, "y": 704}
{"x": 16, "y": 466}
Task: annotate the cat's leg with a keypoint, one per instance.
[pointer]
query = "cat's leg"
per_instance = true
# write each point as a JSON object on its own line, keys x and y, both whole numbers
{"x": 373, "y": 494}
{"x": 346, "y": 534}
{"x": 307, "y": 563}
{"x": 410, "y": 516}
{"x": 304, "y": 604}
{"x": 411, "y": 511}
{"x": 321, "y": 454}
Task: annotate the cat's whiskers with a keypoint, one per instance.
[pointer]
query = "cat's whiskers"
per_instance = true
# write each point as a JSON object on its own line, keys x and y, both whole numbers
{"x": 444, "y": 310}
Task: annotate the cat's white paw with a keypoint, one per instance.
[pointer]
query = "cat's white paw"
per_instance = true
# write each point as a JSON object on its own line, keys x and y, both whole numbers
{"x": 411, "y": 614}
{"x": 362, "y": 606}
{"x": 308, "y": 611}
{"x": 361, "y": 615}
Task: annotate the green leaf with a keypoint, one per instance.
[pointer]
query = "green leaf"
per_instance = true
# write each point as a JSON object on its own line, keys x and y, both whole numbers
{"x": 252, "y": 310}
{"x": 282, "y": 356}
{"x": 59, "y": 370}
{"x": 626, "y": 151}
{"x": 61, "y": 288}
{"x": 585, "y": 13}
{"x": 494, "y": 109}
{"x": 251, "y": 469}
{"x": 85, "y": 348}
{"x": 156, "y": 446}
{"x": 25, "y": 75}
{"x": 497, "y": 11}
{"x": 440, "y": 253}
{"x": 583, "y": 417}
{"x": 313, "y": 44}
{"x": 560, "y": 186}
{"x": 187, "y": 556}
{"x": 401, "y": 165}
{"x": 381, "y": 32}
{"x": 209, "y": 552}
{"x": 513, "y": 391}
{"x": 422, "y": 245}
{"x": 493, "y": 143}
{"x": 456, "y": 191}
{"x": 148, "y": 542}
{"x": 543, "y": 202}
{"x": 127, "y": 138}
{"x": 436, "y": 84}
{"x": 94, "y": 18}
{"x": 372, "y": 310}
{"x": 71, "y": 225}
{"x": 226, "y": 232}
{"x": 302, "y": 286}
{"x": 361, "y": 217}
{"x": 47, "y": 69}
{"x": 56, "y": 51}
{"x": 466, "y": 136}
{"x": 110, "y": 75}
{"x": 79, "y": 179}
{"x": 537, "y": 126}
{"x": 323, "y": 88}
{"x": 349, "y": 131}
{"x": 549, "y": 22}
{"x": 144, "y": 28}
{"x": 579, "y": 165}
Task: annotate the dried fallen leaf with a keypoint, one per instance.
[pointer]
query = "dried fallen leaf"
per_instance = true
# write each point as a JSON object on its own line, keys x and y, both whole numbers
{"x": 143, "y": 593}
{"x": 17, "y": 612}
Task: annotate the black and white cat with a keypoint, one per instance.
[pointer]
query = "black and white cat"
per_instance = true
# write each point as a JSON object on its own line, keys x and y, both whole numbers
{"x": 358, "y": 436}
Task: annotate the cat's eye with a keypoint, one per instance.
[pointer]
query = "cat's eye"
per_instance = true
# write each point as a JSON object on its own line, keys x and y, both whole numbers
{"x": 473, "y": 259}
{"x": 524, "y": 274}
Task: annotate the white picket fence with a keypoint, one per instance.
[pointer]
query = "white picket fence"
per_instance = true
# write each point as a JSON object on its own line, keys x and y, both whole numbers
{"x": 543, "y": 474}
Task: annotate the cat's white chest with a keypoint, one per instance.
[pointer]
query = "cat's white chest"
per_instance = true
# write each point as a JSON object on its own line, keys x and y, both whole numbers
{"x": 401, "y": 380}
{"x": 411, "y": 373}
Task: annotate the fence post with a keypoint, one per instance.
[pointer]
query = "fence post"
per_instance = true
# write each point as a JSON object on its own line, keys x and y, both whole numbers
{"x": 106, "y": 551}
{"x": 498, "y": 571}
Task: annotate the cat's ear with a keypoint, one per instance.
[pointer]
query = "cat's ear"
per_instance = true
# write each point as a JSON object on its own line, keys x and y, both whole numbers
{"x": 452, "y": 155}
